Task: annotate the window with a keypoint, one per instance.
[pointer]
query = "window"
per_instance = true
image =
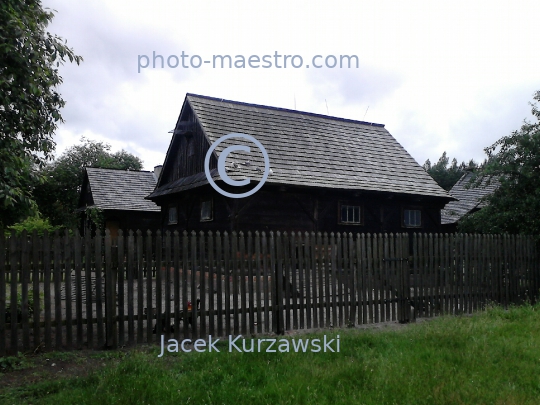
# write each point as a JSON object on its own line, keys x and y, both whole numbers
{"x": 190, "y": 146}
{"x": 412, "y": 218}
{"x": 173, "y": 217}
{"x": 350, "y": 214}
{"x": 206, "y": 210}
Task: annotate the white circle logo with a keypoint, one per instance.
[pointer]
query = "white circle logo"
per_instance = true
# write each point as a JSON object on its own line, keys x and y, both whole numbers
{"x": 221, "y": 165}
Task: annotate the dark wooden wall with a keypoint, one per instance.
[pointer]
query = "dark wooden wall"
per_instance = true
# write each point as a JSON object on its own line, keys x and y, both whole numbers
{"x": 187, "y": 159}
{"x": 297, "y": 209}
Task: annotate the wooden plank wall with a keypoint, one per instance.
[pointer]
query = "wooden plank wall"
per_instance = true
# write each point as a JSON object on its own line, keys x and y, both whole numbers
{"x": 63, "y": 291}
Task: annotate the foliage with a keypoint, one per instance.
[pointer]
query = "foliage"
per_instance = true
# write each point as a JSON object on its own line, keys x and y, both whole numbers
{"x": 7, "y": 315}
{"x": 514, "y": 161}
{"x": 31, "y": 224}
{"x": 96, "y": 217}
{"x": 58, "y": 196}
{"x": 10, "y": 363}
{"x": 29, "y": 103}
{"x": 446, "y": 176}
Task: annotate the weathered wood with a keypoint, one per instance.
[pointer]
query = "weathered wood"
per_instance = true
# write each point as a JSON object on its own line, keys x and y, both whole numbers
{"x": 361, "y": 275}
{"x": 376, "y": 277}
{"x": 194, "y": 267}
{"x": 13, "y": 265}
{"x": 202, "y": 284}
{"x": 243, "y": 275}
{"x": 176, "y": 286}
{"x": 315, "y": 280}
{"x": 259, "y": 274}
{"x": 221, "y": 276}
{"x": 68, "y": 280}
{"x": 286, "y": 280}
{"x": 309, "y": 268}
{"x": 235, "y": 277}
{"x": 212, "y": 284}
{"x": 316, "y": 286}
{"x": 25, "y": 281}
{"x": 370, "y": 278}
{"x": 342, "y": 274}
{"x": 448, "y": 276}
{"x": 130, "y": 292}
{"x": 293, "y": 277}
{"x": 251, "y": 298}
{"x": 77, "y": 262}
{"x": 280, "y": 324}
{"x": 227, "y": 275}
{"x": 160, "y": 325}
{"x": 267, "y": 293}
{"x": 300, "y": 296}
{"x": 88, "y": 277}
{"x": 110, "y": 295}
{"x": 185, "y": 269}
{"x": 3, "y": 260}
{"x": 57, "y": 278}
{"x": 121, "y": 291}
{"x": 99, "y": 290}
{"x": 143, "y": 264}
{"x": 327, "y": 269}
{"x": 168, "y": 267}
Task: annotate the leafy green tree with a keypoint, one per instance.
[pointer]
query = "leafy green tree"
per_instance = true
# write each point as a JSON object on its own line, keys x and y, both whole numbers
{"x": 514, "y": 161}
{"x": 29, "y": 103}
{"x": 447, "y": 175}
{"x": 58, "y": 196}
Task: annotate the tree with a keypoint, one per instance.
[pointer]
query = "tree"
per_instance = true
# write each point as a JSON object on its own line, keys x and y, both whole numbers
{"x": 29, "y": 103}
{"x": 58, "y": 196}
{"x": 446, "y": 176}
{"x": 514, "y": 161}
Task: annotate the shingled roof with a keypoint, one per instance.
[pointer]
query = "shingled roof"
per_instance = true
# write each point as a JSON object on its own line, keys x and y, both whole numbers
{"x": 121, "y": 190}
{"x": 307, "y": 149}
{"x": 468, "y": 199}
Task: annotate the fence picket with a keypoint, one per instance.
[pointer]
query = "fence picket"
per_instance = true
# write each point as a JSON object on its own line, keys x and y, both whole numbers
{"x": 121, "y": 291}
{"x": 3, "y": 275}
{"x": 25, "y": 280}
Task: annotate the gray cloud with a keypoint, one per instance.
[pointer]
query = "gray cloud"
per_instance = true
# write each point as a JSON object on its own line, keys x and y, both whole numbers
{"x": 365, "y": 85}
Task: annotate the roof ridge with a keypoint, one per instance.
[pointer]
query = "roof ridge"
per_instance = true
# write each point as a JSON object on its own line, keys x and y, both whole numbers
{"x": 122, "y": 170}
{"x": 305, "y": 113}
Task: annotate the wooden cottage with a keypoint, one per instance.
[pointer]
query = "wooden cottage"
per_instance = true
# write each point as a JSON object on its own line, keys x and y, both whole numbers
{"x": 120, "y": 196}
{"x": 326, "y": 174}
{"x": 468, "y": 199}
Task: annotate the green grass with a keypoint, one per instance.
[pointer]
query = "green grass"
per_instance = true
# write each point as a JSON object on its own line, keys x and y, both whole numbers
{"x": 490, "y": 358}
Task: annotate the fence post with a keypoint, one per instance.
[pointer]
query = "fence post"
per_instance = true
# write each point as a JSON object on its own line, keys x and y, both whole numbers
{"x": 110, "y": 296}
{"x": 2, "y": 293}
{"x": 404, "y": 306}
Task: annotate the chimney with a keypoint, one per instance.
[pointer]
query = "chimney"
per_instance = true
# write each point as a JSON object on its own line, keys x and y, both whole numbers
{"x": 157, "y": 171}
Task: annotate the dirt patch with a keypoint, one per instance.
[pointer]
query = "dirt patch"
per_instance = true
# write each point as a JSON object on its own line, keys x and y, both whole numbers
{"x": 55, "y": 365}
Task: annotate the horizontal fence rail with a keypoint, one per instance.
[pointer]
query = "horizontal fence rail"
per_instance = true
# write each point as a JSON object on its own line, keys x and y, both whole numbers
{"x": 64, "y": 291}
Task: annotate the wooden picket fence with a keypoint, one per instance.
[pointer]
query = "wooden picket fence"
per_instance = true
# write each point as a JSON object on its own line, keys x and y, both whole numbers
{"x": 66, "y": 291}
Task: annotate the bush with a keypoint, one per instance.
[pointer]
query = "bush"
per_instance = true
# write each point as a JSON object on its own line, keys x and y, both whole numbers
{"x": 19, "y": 308}
{"x": 32, "y": 224}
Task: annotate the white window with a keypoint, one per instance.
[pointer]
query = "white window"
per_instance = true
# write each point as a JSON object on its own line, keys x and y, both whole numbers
{"x": 206, "y": 210}
{"x": 350, "y": 214}
{"x": 173, "y": 217}
{"x": 412, "y": 218}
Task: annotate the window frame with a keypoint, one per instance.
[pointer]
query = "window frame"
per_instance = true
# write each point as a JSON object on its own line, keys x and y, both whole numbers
{"x": 169, "y": 210}
{"x": 360, "y": 207}
{"x": 408, "y": 208}
{"x": 211, "y": 218}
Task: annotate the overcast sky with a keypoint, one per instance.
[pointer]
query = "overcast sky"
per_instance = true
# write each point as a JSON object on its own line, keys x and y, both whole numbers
{"x": 450, "y": 76}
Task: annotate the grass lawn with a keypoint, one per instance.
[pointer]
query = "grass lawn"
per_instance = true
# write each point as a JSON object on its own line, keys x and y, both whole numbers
{"x": 492, "y": 357}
